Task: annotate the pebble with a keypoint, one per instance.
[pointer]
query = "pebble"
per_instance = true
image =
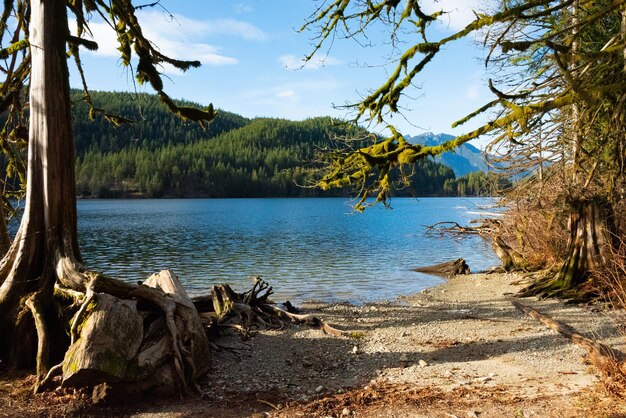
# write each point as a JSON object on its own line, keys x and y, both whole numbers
{"x": 404, "y": 357}
{"x": 423, "y": 363}
{"x": 319, "y": 388}
{"x": 345, "y": 412}
{"x": 355, "y": 350}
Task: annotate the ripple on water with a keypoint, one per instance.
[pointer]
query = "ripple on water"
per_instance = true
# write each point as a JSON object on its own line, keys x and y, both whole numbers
{"x": 306, "y": 248}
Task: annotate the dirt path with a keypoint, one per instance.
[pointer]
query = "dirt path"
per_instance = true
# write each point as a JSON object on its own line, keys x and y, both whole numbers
{"x": 459, "y": 349}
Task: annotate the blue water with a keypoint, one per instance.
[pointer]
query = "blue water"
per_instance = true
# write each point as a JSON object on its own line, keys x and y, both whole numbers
{"x": 306, "y": 248}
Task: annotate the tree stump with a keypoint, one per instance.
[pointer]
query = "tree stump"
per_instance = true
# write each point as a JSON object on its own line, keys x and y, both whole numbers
{"x": 109, "y": 339}
{"x": 140, "y": 346}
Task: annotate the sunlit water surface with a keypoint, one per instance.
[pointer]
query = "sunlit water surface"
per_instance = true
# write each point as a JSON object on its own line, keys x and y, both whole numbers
{"x": 306, "y": 248}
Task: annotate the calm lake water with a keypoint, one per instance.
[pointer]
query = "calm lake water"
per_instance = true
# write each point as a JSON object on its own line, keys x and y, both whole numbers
{"x": 306, "y": 248}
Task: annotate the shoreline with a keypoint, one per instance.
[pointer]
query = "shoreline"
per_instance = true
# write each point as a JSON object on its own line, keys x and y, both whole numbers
{"x": 461, "y": 335}
{"x": 457, "y": 349}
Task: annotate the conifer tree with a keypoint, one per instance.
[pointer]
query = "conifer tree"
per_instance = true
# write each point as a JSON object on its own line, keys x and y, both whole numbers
{"x": 44, "y": 258}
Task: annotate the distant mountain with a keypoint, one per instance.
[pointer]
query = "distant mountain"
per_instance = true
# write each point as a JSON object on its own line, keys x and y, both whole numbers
{"x": 464, "y": 160}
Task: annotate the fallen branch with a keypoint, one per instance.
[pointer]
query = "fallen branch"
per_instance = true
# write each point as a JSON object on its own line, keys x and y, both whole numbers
{"x": 451, "y": 228}
{"x": 609, "y": 361}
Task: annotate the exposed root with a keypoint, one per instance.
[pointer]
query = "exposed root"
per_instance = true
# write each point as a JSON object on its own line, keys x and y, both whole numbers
{"x": 79, "y": 315}
{"x": 52, "y": 373}
{"x": 254, "y": 309}
{"x": 610, "y": 362}
{"x": 43, "y": 347}
{"x": 173, "y": 326}
{"x": 553, "y": 287}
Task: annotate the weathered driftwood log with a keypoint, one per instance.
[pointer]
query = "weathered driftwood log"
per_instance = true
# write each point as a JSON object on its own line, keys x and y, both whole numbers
{"x": 228, "y": 308}
{"x": 159, "y": 345}
{"x": 447, "y": 269}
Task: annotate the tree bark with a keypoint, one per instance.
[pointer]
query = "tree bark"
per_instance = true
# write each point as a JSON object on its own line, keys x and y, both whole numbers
{"x": 5, "y": 241}
{"x": 588, "y": 250}
{"x": 45, "y": 248}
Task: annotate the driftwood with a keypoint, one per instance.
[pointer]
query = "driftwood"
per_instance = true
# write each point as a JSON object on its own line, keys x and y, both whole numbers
{"x": 226, "y": 308}
{"x": 611, "y": 362}
{"x": 447, "y": 269}
{"x": 450, "y": 228}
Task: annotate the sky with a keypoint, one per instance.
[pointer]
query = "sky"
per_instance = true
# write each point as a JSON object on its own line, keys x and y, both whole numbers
{"x": 251, "y": 54}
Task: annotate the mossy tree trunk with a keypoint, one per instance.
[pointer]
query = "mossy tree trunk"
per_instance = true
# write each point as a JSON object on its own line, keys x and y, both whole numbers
{"x": 589, "y": 249}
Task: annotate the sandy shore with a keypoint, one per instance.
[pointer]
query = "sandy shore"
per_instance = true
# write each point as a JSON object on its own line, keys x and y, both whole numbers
{"x": 461, "y": 337}
{"x": 456, "y": 350}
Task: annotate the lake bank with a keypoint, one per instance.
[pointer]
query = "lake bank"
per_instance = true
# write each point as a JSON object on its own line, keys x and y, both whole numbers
{"x": 458, "y": 349}
{"x": 461, "y": 337}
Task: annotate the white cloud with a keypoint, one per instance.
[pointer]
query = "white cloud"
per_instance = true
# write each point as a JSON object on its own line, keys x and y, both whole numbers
{"x": 292, "y": 91}
{"x": 286, "y": 94}
{"x": 292, "y": 63}
{"x": 459, "y": 13}
{"x": 105, "y": 37}
{"x": 184, "y": 28}
{"x": 473, "y": 92}
{"x": 176, "y": 36}
{"x": 234, "y": 27}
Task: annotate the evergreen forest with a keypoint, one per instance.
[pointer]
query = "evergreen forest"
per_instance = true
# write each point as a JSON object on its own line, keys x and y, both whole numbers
{"x": 157, "y": 154}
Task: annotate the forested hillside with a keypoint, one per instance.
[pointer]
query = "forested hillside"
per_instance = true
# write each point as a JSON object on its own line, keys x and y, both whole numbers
{"x": 160, "y": 155}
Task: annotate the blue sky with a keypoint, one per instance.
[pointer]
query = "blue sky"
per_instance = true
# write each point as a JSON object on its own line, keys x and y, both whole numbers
{"x": 251, "y": 54}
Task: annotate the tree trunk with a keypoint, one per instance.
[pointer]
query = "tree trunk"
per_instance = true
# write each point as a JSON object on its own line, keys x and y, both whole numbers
{"x": 45, "y": 248}
{"x": 5, "y": 241}
{"x": 588, "y": 250}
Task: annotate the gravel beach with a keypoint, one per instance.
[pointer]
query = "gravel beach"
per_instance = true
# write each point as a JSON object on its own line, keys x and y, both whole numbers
{"x": 456, "y": 350}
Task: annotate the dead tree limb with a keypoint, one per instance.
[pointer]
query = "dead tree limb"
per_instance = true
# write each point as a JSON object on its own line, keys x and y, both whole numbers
{"x": 609, "y": 361}
{"x": 451, "y": 228}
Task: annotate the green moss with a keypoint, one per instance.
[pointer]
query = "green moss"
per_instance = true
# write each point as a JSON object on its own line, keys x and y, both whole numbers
{"x": 90, "y": 308}
{"x": 112, "y": 363}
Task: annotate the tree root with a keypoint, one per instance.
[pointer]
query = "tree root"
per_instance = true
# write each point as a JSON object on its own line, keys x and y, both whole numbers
{"x": 43, "y": 347}
{"x": 254, "y": 309}
{"x": 551, "y": 286}
{"x": 168, "y": 313}
{"x": 610, "y": 362}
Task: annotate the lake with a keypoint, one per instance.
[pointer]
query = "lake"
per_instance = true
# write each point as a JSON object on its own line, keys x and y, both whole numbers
{"x": 305, "y": 248}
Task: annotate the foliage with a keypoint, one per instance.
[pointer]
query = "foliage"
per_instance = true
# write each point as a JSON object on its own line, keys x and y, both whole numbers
{"x": 477, "y": 184}
{"x": 150, "y": 125}
{"x": 136, "y": 51}
{"x": 547, "y": 62}
{"x": 160, "y": 155}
